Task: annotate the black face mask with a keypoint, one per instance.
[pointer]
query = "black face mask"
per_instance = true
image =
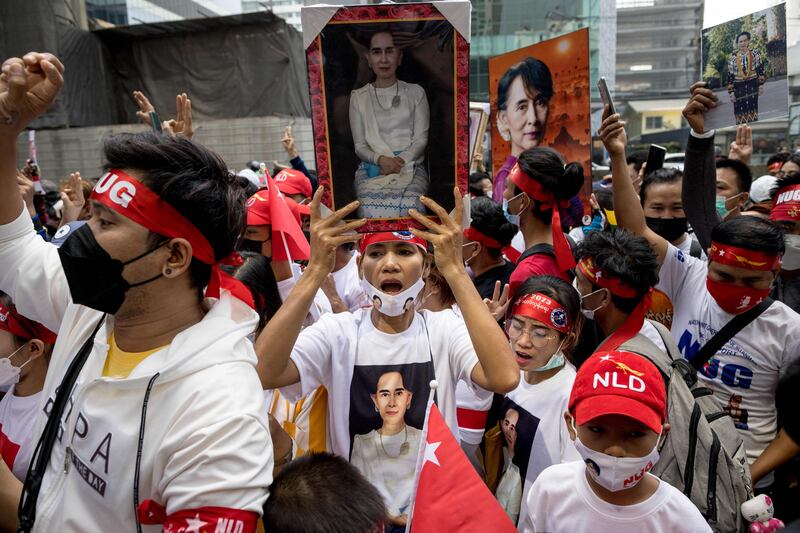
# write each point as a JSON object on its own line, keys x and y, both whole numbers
{"x": 668, "y": 228}
{"x": 249, "y": 245}
{"x": 94, "y": 277}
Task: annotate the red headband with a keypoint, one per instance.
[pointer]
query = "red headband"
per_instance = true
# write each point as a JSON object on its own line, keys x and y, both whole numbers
{"x": 24, "y": 328}
{"x": 775, "y": 167}
{"x": 601, "y": 279}
{"x": 739, "y": 257}
{"x": 475, "y": 235}
{"x": 534, "y": 189}
{"x": 786, "y": 204}
{"x": 391, "y": 236}
{"x": 132, "y": 199}
{"x": 635, "y": 320}
{"x": 544, "y": 309}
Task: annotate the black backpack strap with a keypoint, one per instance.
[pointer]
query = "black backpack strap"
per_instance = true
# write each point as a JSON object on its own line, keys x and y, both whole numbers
{"x": 541, "y": 248}
{"x": 695, "y": 250}
{"x": 727, "y": 333}
{"x": 41, "y": 454}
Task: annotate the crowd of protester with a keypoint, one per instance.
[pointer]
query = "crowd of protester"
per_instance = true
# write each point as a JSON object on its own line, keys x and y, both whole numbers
{"x": 172, "y": 360}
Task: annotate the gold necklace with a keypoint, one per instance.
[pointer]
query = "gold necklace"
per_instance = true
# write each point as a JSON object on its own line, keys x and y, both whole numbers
{"x": 403, "y": 447}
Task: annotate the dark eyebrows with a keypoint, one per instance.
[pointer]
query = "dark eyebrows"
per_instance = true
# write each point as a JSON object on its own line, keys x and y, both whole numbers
{"x": 97, "y": 206}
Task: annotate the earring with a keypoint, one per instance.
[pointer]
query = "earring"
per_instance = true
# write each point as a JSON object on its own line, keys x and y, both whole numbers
{"x": 167, "y": 271}
{"x": 504, "y": 133}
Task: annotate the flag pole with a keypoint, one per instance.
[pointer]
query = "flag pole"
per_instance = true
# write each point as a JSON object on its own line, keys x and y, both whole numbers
{"x": 423, "y": 443}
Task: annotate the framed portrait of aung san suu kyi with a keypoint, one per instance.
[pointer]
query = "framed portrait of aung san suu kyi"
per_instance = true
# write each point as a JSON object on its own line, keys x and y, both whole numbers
{"x": 390, "y": 106}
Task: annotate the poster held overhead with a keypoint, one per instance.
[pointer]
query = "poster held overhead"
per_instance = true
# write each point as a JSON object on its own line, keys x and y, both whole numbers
{"x": 390, "y": 103}
{"x": 540, "y": 97}
{"x": 744, "y": 63}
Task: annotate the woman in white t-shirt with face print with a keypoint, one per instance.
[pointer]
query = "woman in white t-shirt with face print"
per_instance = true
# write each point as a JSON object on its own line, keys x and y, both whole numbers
{"x": 341, "y": 351}
{"x": 543, "y": 323}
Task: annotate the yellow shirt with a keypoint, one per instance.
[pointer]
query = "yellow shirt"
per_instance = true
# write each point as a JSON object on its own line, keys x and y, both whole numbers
{"x": 119, "y": 364}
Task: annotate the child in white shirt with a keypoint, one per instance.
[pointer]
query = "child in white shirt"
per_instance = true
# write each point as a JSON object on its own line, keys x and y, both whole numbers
{"x": 616, "y": 417}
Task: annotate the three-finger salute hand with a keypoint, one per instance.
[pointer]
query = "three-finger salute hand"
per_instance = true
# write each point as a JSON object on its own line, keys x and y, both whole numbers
{"x": 329, "y": 233}
{"x": 446, "y": 236}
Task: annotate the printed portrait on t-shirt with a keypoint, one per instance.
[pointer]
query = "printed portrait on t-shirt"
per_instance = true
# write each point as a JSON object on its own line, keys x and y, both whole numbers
{"x": 519, "y": 431}
{"x": 387, "y": 456}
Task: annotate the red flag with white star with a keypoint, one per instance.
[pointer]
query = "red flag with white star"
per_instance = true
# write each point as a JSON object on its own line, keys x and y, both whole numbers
{"x": 450, "y": 494}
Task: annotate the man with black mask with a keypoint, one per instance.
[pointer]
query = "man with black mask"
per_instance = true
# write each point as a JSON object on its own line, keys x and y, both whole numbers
{"x": 126, "y": 294}
{"x": 660, "y": 195}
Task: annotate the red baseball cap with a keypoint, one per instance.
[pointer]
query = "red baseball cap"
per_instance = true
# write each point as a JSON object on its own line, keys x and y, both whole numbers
{"x": 389, "y": 236}
{"x": 259, "y": 213}
{"x": 619, "y": 383}
{"x": 290, "y": 181}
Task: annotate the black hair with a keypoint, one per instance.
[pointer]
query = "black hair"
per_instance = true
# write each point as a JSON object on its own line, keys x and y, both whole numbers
{"x": 743, "y": 33}
{"x": 323, "y": 493}
{"x": 488, "y": 218}
{"x": 535, "y": 76}
{"x": 744, "y": 178}
{"x": 624, "y": 256}
{"x": 475, "y": 180}
{"x": 659, "y": 177}
{"x": 256, "y": 273}
{"x": 605, "y": 198}
{"x": 792, "y": 178}
{"x": 780, "y": 157}
{"x": 557, "y": 289}
{"x": 637, "y": 159}
{"x": 794, "y": 157}
{"x": 193, "y": 180}
{"x": 546, "y": 166}
{"x": 750, "y": 233}
{"x": 247, "y": 186}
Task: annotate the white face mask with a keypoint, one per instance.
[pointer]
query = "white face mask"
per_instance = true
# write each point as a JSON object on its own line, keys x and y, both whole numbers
{"x": 392, "y": 304}
{"x": 9, "y": 374}
{"x": 615, "y": 473}
{"x": 588, "y": 313}
{"x": 791, "y": 258}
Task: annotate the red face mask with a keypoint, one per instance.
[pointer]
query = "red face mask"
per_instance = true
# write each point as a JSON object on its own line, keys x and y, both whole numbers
{"x": 735, "y": 299}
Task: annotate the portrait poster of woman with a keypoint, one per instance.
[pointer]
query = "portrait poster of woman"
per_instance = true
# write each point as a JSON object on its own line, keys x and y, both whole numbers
{"x": 540, "y": 96}
{"x": 744, "y": 62}
{"x": 389, "y": 98}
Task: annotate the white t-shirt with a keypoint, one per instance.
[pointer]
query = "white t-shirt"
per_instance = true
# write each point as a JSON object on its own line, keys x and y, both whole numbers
{"x": 348, "y": 285}
{"x": 321, "y": 304}
{"x": 17, "y": 418}
{"x": 561, "y": 500}
{"x": 347, "y": 354}
{"x": 745, "y": 372}
{"x": 389, "y": 463}
{"x": 542, "y": 436}
{"x": 686, "y": 246}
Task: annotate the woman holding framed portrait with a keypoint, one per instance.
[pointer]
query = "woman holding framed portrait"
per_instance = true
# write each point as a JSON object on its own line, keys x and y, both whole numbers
{"x": 389, "y": 119}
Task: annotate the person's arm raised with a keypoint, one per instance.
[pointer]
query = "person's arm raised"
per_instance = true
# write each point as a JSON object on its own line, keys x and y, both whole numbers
{"x": 274, "y": 344}
{"x": 496, "y": 369}
{"x": 28, "y": 87}
{"x": 627, "y": 208}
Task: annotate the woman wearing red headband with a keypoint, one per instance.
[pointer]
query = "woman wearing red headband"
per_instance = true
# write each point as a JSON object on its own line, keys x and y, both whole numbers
{"x": 543, "y": 325}
{"x": 538, "y": 187}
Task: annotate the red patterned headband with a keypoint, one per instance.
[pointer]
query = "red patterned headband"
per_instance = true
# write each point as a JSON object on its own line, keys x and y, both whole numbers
{"x": 633, "y": 324}
{"x": 24, "y": 328}
{"x": 544, "y": 309}
{"x": 786, "y": 204}
{"x": 392, "y": 236}
{"x": 534, "y": 189}
{"x": 739, "y": 257}
{"x": 601, "y": 279}
{"x": 132, "y": 199}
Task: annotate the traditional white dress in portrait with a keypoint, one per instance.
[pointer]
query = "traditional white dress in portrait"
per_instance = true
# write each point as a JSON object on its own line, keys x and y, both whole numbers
{"x": 389, "y": 465}
{"x": 381, "y": 128}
